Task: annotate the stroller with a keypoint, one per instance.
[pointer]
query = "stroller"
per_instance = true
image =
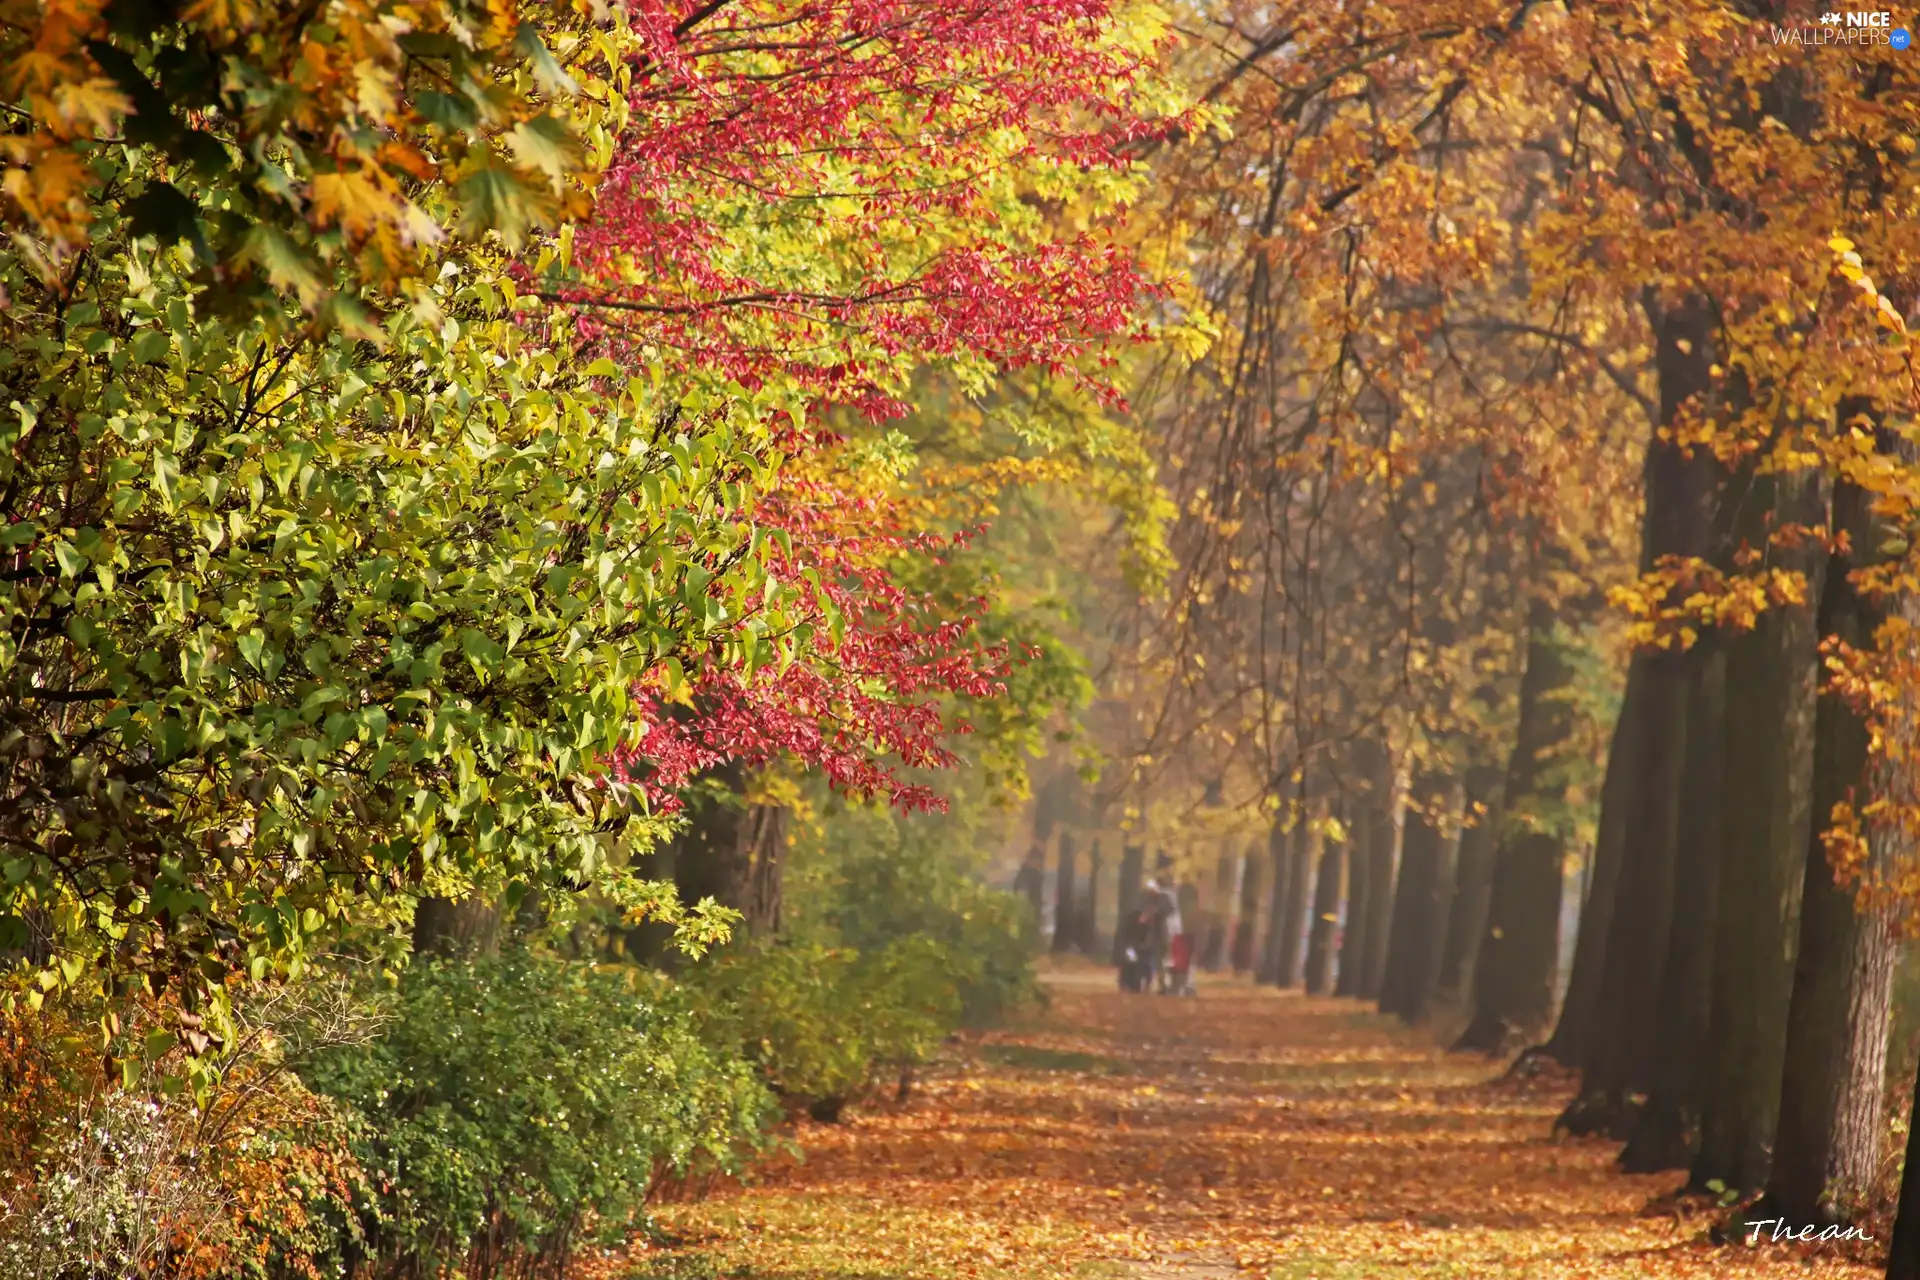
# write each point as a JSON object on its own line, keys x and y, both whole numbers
{"x": 1180, "y": 967}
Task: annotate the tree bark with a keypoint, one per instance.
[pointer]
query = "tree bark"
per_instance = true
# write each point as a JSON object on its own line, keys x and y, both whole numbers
{"x": 1680, "y": 493}
{"x": 1299, "y": 855}
{"x": 450, "y": 926}
{"x": 1766, "y": 821}
{"x": 1572, "y": 1037}
{"x": 1133, "y": 859}
{"x": 1473, "y": 882}
{"x": 1903, "y": 1251}
{"x": 1326, "y": 915}
{"x": 1666, "y": 1129}
{"x": 1090, "y": 903}
{"x": 1410, "y": 941}
{"x": 1279, "y": 858}
{"x": 1620, "y": 1060}
{"x": 1439, "y": 908}
{"x": 1246, "y": 925}
{"x": 1065, "y": 911}
{"x": 1353, "y": 942}
{"x": 1226, "y": 874}
{"x": 1827, "y": 1148}
{"x": 1517, "y": 970}
{"x": 1383, "y": 867}
{"x": 734, "y": 852}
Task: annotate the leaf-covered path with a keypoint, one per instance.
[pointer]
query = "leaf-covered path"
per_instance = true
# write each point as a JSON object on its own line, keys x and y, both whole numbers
{"x": 1244, "y": 1132}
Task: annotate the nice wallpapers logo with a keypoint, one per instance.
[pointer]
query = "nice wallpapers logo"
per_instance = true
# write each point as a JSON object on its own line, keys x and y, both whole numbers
{"x": 1864, "y": 27}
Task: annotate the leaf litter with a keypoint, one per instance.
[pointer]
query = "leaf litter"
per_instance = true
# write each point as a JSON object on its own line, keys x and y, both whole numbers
{"x": 1249, "y": 1131}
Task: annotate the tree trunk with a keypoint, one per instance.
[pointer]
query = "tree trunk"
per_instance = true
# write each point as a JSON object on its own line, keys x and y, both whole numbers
{"x": 1828, "y": 1143}
{"x": 1572, "y": 1037}
{"x": 449, "y": 926}
{"x": 1279, "y": 893}
{"x": 1030, "y": 883}
{"x": 1680, "y": 492}
{"x": 762, "y": 866}
{"x": 1620, "y": 1060}
{"x": 1903, "y": 1251}
{"x": 1766, "y": 821}
{"x": 1473, "y": 881}
{"x": 1090, "y": 903}
{"x": 1383, "y": 868}
{"x": 1326, "y": 916}
{"x": 1299, "y": 855}
{"x": 1246, "y": 925}
{"x": 1353, "y": 942}
{"x": 1518, "y": 967}
{"x": 1439, "y": 908}
{"x": 1410, "y": 941}
{"x": 734, "y": 852}
{"x": 1226, "y": 891}
{"x": 1666, "y": 1130}
{"x": 1065, "y": 910}
{"x": 1132, "y": 864}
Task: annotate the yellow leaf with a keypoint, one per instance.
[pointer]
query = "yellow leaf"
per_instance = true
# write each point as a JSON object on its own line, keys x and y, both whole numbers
{"x": 352, "y": 200}
{"x": 96, "y": 103}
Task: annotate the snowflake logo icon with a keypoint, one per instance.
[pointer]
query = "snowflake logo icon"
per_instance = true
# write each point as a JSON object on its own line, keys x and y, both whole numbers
{"x": 1829, "y": 19}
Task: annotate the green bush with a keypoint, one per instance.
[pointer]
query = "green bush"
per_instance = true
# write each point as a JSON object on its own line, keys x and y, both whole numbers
{"x": 827, "y": 1024}
{"x": 516, "y": 1102}
{"x": 891, "y": 945}
{"x": 981, "y": 938}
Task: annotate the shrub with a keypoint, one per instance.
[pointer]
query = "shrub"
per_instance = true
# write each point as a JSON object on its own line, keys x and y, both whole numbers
{"x": 131, "y": 1172}
{"x": 826, "y": 1024}
{"x": 518, "y": 1103}
{"x": 891, "y": 946}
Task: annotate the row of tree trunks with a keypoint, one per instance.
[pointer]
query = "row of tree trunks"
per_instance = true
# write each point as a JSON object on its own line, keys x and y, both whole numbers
{"x": 1722, "y": 972}
{"x": 1766, "y": 817}
{"x": 1827, "y": 1147}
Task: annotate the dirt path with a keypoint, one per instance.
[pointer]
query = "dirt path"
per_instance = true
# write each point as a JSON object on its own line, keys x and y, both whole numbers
{"x": 1243, "y": 1132}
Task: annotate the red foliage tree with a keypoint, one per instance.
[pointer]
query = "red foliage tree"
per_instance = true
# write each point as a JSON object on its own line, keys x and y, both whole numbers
{"x": 830, "y": 195}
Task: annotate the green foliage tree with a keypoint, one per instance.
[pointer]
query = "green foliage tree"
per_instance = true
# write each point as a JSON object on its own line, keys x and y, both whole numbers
{"x": 294, "y": 627}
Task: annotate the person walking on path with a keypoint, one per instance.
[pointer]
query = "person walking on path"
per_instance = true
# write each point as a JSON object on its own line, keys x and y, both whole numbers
{"x": 1160, "y": 910}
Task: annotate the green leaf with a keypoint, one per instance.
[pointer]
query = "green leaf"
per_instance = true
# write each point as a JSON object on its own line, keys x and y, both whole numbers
{"x": 285, "y": 263}
{"x": 552, "y": 77}
{"x": 492, "y": 198}
{"x": 150, "y": 346}
{"x": 72, "y": 563}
